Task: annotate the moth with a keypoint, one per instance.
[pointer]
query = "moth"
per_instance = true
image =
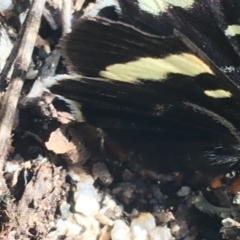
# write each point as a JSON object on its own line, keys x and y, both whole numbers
{"x": 161, "y": 79}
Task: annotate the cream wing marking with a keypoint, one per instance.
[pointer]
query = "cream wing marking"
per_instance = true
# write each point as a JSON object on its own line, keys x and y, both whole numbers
{"x": 156, "y": 68}
{"x": 232, "y": 30}
{"x": 218, "y": 93}
{"x": 156, "y": 7}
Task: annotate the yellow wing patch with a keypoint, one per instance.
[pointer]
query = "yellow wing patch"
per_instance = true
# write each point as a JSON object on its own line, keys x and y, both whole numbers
{"x": 156, "y": 69}
{"x": 232, "y": 30}
{"x": 218, "y": 93}
{"x": 156, "y": 7}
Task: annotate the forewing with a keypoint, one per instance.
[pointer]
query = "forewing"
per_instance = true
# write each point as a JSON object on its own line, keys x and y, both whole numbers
{"x": 213, "y": 25}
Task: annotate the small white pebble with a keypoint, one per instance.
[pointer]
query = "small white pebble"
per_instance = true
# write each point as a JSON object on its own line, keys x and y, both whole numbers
{"x": 120, "y": 231}
{"x": 236, "y": 199}
{"x": 89, "y": 235}
{"x": 90, "y": 225}
{"x": 109, "y": 205}
{"x": 86, "y": 199}
{"x": 52, "y": 224}
{"x": 66, "y": 228}
{"x": 65, "y": 210}
{"x": 109, "y": 202}
{"x": 179, "y": 229}
{"x": 137, "y": 233}
{"x": 5, "y": 5}
{"x": 160, "y": 233}
{"x": 32, "y": 74}
{"x": 87, "y": 222}
{"x": 61, "y": 229}
{"x": 144, "y": 221}
{"x": 229, "y": 222}
{"x": 141, "y": 225}
{"x": 73, "y": 230}
{"x": 12, "y": 167}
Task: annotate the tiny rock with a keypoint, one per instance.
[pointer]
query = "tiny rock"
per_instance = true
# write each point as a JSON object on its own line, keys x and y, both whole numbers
{"x": 144, "y": 221}
{"x": 160, "y": 233}
{"x": 86, "y": 199}
{"x": 120, "y": 231}
{"x": 101, "y": 172}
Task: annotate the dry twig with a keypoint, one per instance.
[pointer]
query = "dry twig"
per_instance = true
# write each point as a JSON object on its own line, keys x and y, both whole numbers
{"x": 66, "y": 16}
{"x": 13, "y": 92}
{"x": 52, "y": 60}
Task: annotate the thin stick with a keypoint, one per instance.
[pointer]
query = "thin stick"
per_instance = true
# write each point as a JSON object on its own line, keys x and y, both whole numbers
{"x": 47, "y": 70}
{"x": 66, "y": 16}
{"x": 52, "y": 60}
{"x": 11, "y": 97}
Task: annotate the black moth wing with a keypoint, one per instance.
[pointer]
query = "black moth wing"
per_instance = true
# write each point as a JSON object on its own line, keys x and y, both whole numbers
{"x": 153, "y": 95}
{"x": 211, "y": 24}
